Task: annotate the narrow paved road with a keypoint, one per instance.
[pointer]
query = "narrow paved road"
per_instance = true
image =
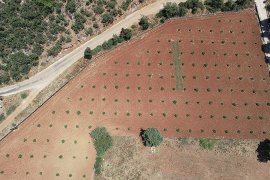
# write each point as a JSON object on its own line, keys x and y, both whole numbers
{"x": 46, "y": 76}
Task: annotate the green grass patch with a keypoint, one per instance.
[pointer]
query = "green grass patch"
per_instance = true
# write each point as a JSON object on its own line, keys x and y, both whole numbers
{"x": 207, "y": 143}
{"x": 177, "y": 65}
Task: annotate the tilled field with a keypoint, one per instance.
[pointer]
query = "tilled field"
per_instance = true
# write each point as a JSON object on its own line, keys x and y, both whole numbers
{"x": 198, "y": 77}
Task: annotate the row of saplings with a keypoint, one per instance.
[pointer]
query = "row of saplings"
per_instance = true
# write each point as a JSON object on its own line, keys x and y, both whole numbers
{"x": 151, "y": 137}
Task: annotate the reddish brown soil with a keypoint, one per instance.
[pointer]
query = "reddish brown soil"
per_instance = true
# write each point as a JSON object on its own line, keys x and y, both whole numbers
{"x": 129, "y": 80}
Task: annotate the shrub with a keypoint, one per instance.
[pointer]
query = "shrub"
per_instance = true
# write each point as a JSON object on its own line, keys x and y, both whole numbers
{"x": 102, "y": 140}
{"x": 107, "y": 18}
{"x": 194, "y": 5}
{"x": 151, "y": 137}
{"x": 207, "y": 143}
{"x": 171, "y": 10}
{"x": 24, "y": 95}
{"x": 126, "y": 34}
{"x": 88, "y": 53}
{"x": 55, "y": 50}
{"x": 79, "y": 23}
{"x": 71, "y": 6}
{"x": 214, "y": 5}
{"x": 144, "y": 23}
{"x": 126, "y": 4}
{"x": 98, "y": 9}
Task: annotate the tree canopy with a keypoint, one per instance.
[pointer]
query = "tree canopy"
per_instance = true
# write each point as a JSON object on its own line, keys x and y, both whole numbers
{"x": 144, "y": 23}
{"x": 88, "y": 53}
{"x": 263, "y": 151}
{"x": 151, "y": 137}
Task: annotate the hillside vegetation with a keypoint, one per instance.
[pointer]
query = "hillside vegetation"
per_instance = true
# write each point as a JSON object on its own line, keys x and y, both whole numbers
{"x": 31, "y": 29}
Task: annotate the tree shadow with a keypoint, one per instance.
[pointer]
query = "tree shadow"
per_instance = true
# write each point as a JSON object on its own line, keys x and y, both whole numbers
{"x": 263, "y": 151}
{"x": 141, "y": 133}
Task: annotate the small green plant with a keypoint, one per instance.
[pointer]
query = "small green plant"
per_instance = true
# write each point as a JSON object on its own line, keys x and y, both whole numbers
{"x": 24, "y": 95}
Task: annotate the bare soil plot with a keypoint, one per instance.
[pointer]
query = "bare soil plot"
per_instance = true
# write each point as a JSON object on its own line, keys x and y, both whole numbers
{"x": 223, "y": 92}
{"x": 183, "y": 159}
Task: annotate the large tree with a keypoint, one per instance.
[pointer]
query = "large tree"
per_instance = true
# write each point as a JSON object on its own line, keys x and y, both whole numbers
{"x": 151, "y": 137}
{"x": 88, "y": 53}
{"x": 126, "y": 34}
{"x": 144, "y": 23}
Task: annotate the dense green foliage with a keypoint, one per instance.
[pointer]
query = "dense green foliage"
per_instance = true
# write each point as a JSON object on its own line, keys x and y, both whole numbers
{"x": 88, "y": 53}
{"x": 79, "y": 22}
{"x": 144, "y": 23}
{"x": 126, "y": 34}
{"x": 194, "y": 5}
{"x": 126, "y": 4}
{"x": 102, "y": 141}
{"x": 27, "y": 27}
{"x": 97, "y": 165}
{"x": 107, "y": 18}
{"x": 71, "y": 6}
{"x": 207, "y": 143}
{"x": 263, "y": 151}
{"x": 177, "y": 10}
{"x": 230, "y": 5}
{"x": 172, "y": 10}
{"x": 151, "y": 137}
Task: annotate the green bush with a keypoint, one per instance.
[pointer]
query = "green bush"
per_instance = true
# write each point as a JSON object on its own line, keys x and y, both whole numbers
{"x": 97, "y": 50}
{"x": 24, "y": 95}
{"x": 144, "y": 23}
{"x": 102, "y": 140}
{"x": 214, "y": 5}
{"x": 79, "y": 23}
{"x": 71, "y": 6}
{"x": 126, "y": 34}
{"x": 55, "y": 50}
{"x": 88, "y": 53}
{"x": 107, "y": 18}
{"x": 207, "y": 143}
{"x": 99, "y": 9}
{"x": 172, "y": 10}
{"x": 126, "y": 4}
{"x": 194, "y": 5}
{"x": 151, "y": 137}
